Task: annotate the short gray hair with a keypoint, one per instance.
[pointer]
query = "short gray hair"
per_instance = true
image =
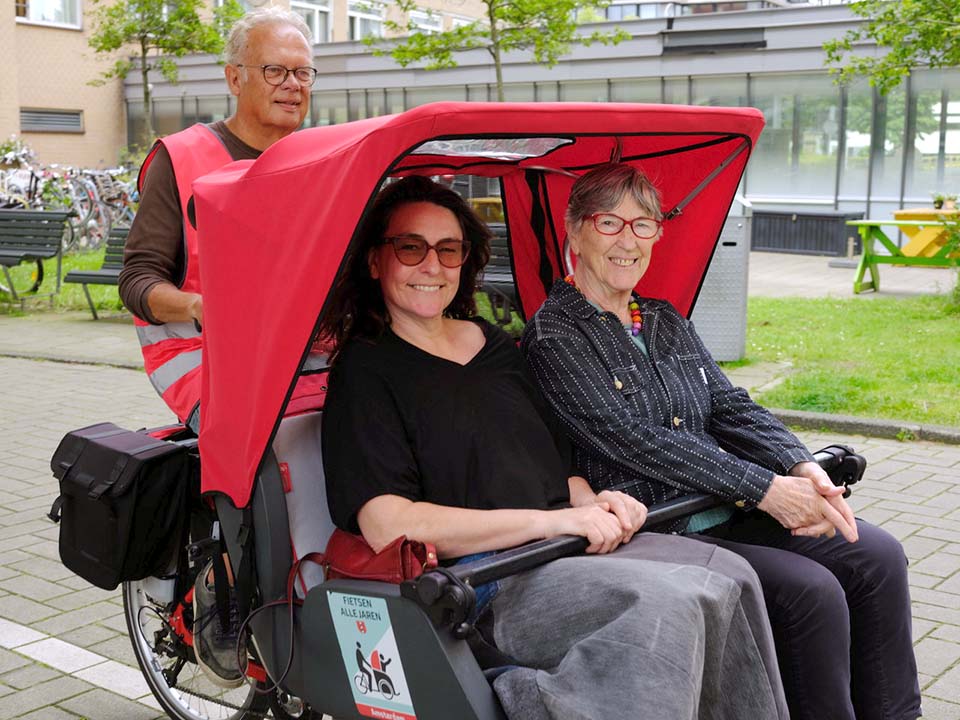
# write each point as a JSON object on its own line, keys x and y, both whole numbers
{"x": 237, "y": 40}
{"x": 605, "y": 186}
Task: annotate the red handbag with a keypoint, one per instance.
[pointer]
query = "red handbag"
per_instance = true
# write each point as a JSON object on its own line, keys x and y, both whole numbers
{"x": 349, "y": 556}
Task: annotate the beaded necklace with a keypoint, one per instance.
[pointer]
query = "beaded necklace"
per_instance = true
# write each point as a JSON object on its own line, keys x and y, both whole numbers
{"x": 636, "y": 321}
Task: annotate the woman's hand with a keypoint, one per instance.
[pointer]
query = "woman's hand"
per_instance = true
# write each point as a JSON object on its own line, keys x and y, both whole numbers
{"x": 594, "y": 522}
{"x": 796, "y": 503}
{"x": 833, "y": 494}
{"x": 630, "y": 512}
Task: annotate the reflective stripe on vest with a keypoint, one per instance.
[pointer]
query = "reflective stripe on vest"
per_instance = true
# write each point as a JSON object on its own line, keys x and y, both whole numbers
{"x": 172, "y": 351}
{"x": 175, "y": 368}
{"x": 150, "y": 334}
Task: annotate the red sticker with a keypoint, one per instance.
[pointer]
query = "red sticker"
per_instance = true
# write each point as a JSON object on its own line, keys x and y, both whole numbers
{"x": 285, "y": 478}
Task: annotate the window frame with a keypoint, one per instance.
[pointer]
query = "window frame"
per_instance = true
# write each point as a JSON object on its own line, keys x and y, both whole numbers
{"x": 377, "y": 14}
{"x": 27, "y": 20}
{"x": 316, "y": 8}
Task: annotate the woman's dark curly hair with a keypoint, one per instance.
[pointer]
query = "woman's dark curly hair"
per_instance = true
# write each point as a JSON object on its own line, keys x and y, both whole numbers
{"x": 356, "y": 307}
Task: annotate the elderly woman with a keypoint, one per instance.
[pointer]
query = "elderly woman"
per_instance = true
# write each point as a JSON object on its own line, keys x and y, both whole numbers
{"x": 651, "y": 415}
{"x": 432, "y": 430}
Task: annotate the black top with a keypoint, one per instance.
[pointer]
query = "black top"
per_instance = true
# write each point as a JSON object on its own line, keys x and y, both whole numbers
{"x": 400, "y": 421}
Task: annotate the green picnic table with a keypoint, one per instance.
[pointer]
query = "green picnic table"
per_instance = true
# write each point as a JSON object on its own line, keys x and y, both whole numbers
{"x": 930, "y": 245}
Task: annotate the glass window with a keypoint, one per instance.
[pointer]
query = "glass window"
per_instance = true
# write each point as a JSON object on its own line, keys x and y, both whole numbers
{"x": 676, "y": 91}
{"x": 212, "y": 109}
{"x": 887, "y": 136}
{"x": 933, "y": 145}
{"x": 54, "y": 12}
{"x": 395, "y": 101}
{"x": 720, "y": 91}
{"x": 480, "y": 93}
{"x": 328, "y": 108}
{"x": 635, "y": 91}
{"x": 518, "y": 92}
{"x": 797, "y": 151}
{"x": 167, "y": 116}
{"x": 422, "y": 96}
{"x": 316, "y": 13}
{"x": 365, "y": 19}
{"x": 547, "y": 92}
{"x": 858, "y": 114}
{"x": 584, "y": 91}
{"x": 136, "y": 124}
{"x": 426, "y": 21}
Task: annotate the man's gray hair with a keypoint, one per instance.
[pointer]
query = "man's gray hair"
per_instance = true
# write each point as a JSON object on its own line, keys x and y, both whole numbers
{"x": 237, "y": 40}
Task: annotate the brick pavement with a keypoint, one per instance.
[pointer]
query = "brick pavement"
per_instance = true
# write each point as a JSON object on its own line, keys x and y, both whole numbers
{"x": 63, "y": 649}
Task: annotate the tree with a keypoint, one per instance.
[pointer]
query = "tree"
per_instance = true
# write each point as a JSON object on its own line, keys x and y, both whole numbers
{"x": 159, "y": 30}
{"x": 545, "y": 27}
{"x": 912, "y": 32}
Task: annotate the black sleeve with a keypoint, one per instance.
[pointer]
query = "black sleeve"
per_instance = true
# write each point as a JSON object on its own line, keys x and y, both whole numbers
{"x": 365, "y": 447}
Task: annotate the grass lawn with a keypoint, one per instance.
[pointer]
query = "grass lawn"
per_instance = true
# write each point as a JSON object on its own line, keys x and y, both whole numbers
{"x": 71, "y": 296}
{"x": 895, "y": 358}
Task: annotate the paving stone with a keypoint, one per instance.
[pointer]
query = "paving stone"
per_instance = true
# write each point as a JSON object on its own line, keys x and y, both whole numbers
{"x": 38, "y": 696}
{"x": 941, "y": 564}
{"x": 935, "y": 656}
{"x": 920, "y": 580}
{"x": 939, "y": 710}
{"x": 918, "y": 547}
{"x": 900, "y": 530}
{"x": 43, "y": 568}
{"x": 108, "y": 706}
{"x": 60, "y": 655}
{"x": 10, "y": 661}
{"x": 63, "y": 622}
{"x": 117, "y": 648}
{"x": 124, "y": 680}
{"x": 947, "y": 687}
{"x": 51, "y": 713}
{"x": 937, "y": 613}
{"x": 31, "y": 675}
{"x": 950, "y": 535}
{"x": 88, "y": 636}
{"x": 23, "y": 610}
{"x": 948, "y": 632}
{"x": 922, "y": 628}
{"x": 33, "y": 587}
{"x": 75, "y": 599}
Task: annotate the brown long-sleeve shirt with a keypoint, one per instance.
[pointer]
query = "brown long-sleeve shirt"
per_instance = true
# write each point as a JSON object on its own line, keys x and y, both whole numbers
{"x": 154, "y": 252}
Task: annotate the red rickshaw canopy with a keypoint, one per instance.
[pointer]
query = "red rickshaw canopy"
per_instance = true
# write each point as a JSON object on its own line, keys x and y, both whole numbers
{"x": 273, "y": 232}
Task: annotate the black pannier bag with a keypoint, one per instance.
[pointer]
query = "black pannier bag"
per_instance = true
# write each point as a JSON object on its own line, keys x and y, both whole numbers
{"x": 123, "y": 505}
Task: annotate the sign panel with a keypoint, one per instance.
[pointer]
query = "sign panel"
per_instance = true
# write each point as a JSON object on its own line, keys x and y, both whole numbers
{"x": 370, "y": 654}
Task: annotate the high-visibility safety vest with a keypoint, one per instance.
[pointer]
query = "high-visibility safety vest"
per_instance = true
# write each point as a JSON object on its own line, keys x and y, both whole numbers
{"x": 172, "y": 351}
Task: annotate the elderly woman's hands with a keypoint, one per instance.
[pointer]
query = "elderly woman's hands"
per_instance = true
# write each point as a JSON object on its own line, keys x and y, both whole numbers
{"x": 629, "y": 512}
{"x": 809, "y": 504}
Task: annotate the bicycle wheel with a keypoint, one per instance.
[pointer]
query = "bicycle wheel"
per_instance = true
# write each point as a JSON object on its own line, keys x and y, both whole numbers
{"x": 168, "y": 665}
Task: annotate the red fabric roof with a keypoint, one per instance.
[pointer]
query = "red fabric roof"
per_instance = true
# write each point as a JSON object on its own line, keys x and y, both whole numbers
{"x": 274, "y": 231}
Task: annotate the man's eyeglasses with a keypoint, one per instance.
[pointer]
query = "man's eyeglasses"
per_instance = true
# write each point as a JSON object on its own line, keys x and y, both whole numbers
{"x": 412, "y": 249}
{"x": 610, "y": 224}
{"x": 277, "y": 74}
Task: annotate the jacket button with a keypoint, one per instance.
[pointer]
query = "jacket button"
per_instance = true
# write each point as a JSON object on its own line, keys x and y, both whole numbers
{"x": 617, "y": 384}
{"x": 677, "y": 421}
{"x": 740, "y": 504}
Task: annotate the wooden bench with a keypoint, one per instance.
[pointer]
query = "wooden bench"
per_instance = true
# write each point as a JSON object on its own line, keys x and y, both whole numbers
{"x": 930, "y": 246}
{"x": 32, "y": 236}
{"x": 498, "y": 282}
{"x": 109, "y": 271}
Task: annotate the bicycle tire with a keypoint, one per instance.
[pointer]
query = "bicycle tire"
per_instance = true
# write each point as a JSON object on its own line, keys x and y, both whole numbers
{"x": 37, "y": 281}
{"x": 190, "y": 696}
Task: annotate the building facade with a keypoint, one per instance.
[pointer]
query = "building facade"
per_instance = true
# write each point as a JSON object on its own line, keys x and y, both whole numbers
{"x": 823, "y": 147}
{"x": 45, "y": 92}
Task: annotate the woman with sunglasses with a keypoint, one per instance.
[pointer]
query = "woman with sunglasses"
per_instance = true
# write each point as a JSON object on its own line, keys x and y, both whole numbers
{"x": 652, "y": 415}
{"x": 432, "y": 430}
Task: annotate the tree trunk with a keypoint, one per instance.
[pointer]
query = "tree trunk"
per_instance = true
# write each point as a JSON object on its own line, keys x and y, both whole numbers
{"x": 495, "y": 48}
{"x": 149, "y": 134}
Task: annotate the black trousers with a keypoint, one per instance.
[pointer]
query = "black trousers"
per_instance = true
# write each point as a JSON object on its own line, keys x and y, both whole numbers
{"x": 840, "y": 614}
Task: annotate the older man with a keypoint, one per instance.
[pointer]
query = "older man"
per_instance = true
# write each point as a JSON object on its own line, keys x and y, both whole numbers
{"x": 269, "y": 70}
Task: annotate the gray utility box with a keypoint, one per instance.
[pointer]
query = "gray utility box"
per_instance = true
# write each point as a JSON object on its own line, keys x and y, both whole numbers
{"x": 805, "y": 232}
{"x": 720, "y": 315}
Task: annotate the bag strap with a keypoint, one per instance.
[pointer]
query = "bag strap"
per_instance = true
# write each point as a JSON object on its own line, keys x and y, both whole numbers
{"x": 54, "y": 513}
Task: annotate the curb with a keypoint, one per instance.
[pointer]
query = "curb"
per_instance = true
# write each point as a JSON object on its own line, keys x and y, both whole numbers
{"x": 872, "y": 427}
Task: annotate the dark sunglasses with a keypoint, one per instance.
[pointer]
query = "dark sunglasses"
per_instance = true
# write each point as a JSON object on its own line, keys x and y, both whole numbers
{"x": 412, "y": 249}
